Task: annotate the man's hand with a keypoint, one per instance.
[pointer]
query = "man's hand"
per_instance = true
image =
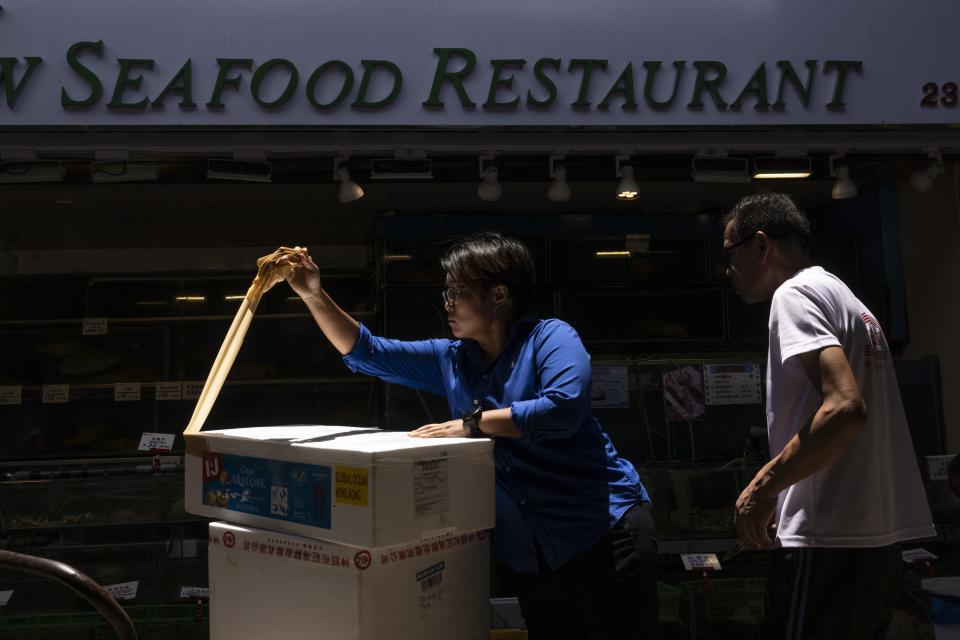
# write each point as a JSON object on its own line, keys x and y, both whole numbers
{"x": 753, "y": 516}
{"x": 449, "y": 429}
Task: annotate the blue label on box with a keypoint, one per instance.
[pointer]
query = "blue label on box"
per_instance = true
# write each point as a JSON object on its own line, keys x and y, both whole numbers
{"x": 288, "y": 491}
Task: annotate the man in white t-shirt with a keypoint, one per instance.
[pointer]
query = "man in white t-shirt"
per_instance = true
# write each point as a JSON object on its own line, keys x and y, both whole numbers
{"x": 843, "y": 488}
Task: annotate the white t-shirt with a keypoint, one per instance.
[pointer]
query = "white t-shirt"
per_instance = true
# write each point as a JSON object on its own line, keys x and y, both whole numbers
{"x": 872, "y": 495}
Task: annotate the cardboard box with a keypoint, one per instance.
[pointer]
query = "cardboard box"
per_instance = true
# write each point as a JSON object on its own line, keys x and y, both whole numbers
{"x": 363, "y": 487}
{"x": 275, "y": 585}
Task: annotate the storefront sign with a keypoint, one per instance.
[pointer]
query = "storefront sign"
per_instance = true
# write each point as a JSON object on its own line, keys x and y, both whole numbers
{"x": 610, "y": 62}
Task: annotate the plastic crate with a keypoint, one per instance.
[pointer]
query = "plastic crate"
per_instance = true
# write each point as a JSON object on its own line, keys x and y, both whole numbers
{"x": 160, "y": 622}
{"x": 737, "y": 600}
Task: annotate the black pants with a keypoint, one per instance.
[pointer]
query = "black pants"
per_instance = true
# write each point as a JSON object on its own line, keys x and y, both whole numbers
{"x": 829, "y": 594}
{"x": 607, "y": 593}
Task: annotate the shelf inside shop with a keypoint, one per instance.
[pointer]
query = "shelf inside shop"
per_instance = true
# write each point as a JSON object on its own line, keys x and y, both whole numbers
{"x": 92, "y": 501}
{"x": 358, "y": 315}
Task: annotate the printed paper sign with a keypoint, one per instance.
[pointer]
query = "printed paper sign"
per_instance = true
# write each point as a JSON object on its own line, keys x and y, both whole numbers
{"x": 432, "y": 589}
{"x": 11, "y": 395}
{"x": 700, "y": 561}
{"x": 94, "y": 326}
{"x": 5, "y": 597}
{"x": 55, "y": 393}
{"x": 194, "y": 593}
{"x": 431, "y": 487}
{"x": 917, "y": 555}
{"x": 938, "y": 466}
{"x": 732, "y": 383}
{"x": 192, "y": 389}
{"x": 156, "y": 442}
{"x": 276, "y": 489}
{"x": 683, "y": 394}
{"x": 126, "y": 392}
{"x": 169, "y": 390}
{"x": 123, "y": 591}
{"x": 351, "y": 486}
{"x": 610, "y": 386}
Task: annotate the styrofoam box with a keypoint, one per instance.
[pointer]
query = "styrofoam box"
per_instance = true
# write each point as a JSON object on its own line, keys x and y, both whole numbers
{"x": 363, "y": 487}
{"x": 265, "y": 584}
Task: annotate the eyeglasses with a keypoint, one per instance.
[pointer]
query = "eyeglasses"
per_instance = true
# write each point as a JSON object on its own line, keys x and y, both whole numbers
{"x": 732, "y": 249}
{"x": 450, "y": 295}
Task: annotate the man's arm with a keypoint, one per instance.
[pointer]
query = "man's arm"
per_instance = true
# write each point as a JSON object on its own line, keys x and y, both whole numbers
{"x": 836, "y": 423}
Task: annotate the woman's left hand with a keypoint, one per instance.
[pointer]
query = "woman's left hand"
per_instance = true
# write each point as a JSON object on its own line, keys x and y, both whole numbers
{"x": 449, "y": 429}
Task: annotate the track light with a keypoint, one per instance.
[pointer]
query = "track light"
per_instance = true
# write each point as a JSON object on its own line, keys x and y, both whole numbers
{"x": 119, "y": 171}
{"x": 719, "y": 169}
{"x": 628, "y": 188}
{"x": 242, "y": 170}
{"x": 26, "y": 172}
{"x": 559, "y": 190}
{"x": 350, "y": 191}
{"x": 489, "y": 189}
{"x": 781, "y": 168}
{"x": 843, "y": 187}
{"x": 922, "y": 180}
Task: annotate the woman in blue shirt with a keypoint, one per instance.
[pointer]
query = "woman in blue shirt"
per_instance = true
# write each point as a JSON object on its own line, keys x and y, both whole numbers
{"x": 574, "y": 522}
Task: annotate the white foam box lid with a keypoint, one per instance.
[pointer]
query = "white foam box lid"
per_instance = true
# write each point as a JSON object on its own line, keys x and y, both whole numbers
{"x": 362, "y": 487}
{"x": 265, "y": 584}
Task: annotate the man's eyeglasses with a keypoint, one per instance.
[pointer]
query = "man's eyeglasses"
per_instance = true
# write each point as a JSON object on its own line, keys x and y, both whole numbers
{"x": 732, "y": 249}
{"x": 450, "y": 295}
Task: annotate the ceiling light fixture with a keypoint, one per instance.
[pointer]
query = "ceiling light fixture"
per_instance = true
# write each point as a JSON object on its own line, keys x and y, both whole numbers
{"x": 628, "y": 188}
{"x": 350, "y": 191}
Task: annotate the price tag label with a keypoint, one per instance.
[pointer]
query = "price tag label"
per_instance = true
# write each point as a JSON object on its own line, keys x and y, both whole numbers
{"x": 5, "y": 597}
{"x": 11, "y": 395}
{"x": 156, "y": 442}
{"x": 94, "y": 326}
{"x": 937, "y": 467}
{"x": 194, "y": 593}
{"x": 123, "y": 590}
{"x": 917, "y": 555}
{"x": 126, "y": 392}
{"x": 55, "y": 394}
{"x": 700, "y": 561}
{"x": 169, "y": 390}
{"x": 192, "y": 389}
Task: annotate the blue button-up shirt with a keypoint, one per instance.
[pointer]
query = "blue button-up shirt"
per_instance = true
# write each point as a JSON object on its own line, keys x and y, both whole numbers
{"x": 560, "y": 486}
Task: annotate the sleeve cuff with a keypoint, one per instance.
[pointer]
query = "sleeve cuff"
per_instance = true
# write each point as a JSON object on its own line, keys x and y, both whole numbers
{"x": 521, "y": 413}
{"x": 360, "y": 350}
{"x": 808, "y": 345}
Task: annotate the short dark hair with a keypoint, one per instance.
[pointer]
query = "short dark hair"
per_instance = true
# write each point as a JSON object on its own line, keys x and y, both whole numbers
{"x": 776, "y": 214}
{"x": 485, "y": 260}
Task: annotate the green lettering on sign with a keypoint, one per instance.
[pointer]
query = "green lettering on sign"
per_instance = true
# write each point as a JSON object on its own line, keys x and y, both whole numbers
{"x": 261, "y": 73}
{"x": 710, "y": 85}
{"x": 545, "y": 81}
{"x": 181, "y": 83}
{"x": 124, "y": 82}
{"x": 11, "y": 88}
{"x": 652, "y": 67}
{"x": 369, "y": 67}
{"x": 225, "y": 80}
{"x": 455, "y": 78}
{"x": 315, "y": 79}
{"x": 96, "y": 87}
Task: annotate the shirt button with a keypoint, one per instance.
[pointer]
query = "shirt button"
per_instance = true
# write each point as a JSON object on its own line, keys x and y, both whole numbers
{"x": 476, "y": 402}
{"x": 507, "y": 469}
{"x": 484, "y": 376}
{"x": 523, "y": 503}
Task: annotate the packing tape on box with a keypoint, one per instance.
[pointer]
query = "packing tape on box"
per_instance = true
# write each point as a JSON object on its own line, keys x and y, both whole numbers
{"x": 270, "y": 271}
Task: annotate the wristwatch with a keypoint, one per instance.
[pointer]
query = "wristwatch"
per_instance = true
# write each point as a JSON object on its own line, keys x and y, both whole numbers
{"x": 471, "y": 420}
